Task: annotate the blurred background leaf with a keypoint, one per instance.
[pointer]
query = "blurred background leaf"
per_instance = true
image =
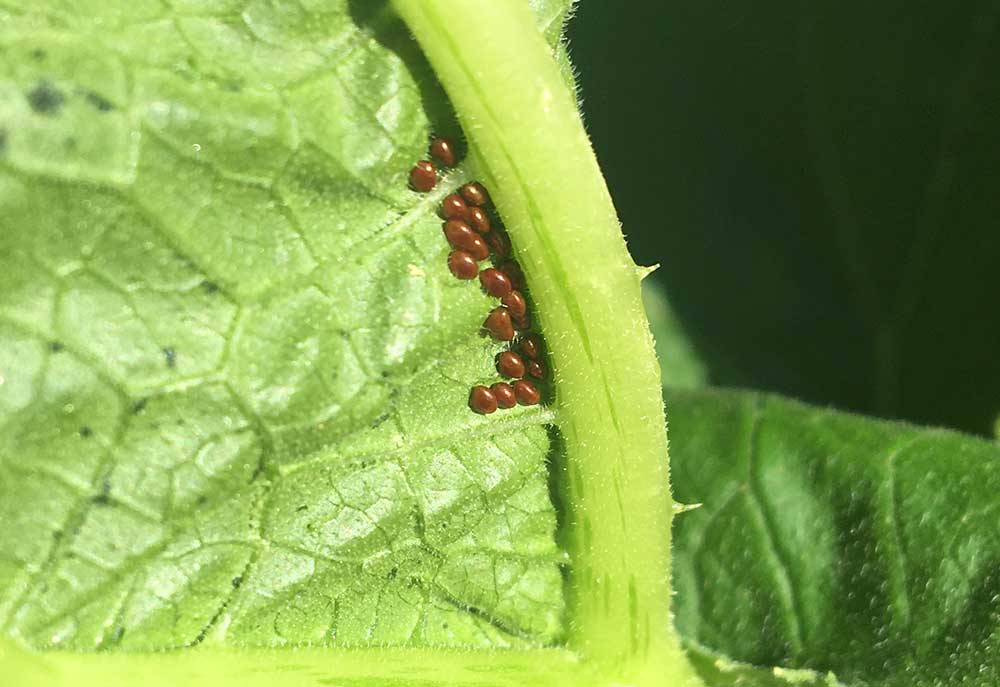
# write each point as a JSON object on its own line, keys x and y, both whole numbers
{"x": 821, "y": 183}
{"x": 833, "y": 542}
{"x": 682, "y": 366}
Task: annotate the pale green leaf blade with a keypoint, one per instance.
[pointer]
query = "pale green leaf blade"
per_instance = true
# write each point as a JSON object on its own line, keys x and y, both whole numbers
{"x": 234, "y": 365}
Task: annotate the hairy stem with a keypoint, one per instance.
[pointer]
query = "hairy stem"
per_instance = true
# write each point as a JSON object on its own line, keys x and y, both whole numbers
{"x": 528, "y": 143}
{"x": 287, "y": 667}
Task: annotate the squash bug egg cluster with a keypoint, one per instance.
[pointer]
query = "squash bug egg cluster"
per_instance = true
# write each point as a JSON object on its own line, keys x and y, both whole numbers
{"x": 474, "y": 236}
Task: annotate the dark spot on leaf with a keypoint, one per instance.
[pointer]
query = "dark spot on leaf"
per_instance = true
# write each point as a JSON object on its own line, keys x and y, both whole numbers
{"x": 86, "y": 432}
{"x": 257, "y": 471}
{"x": 117, "y": 635}
{"x": 103, "y": 497}
{"x": 99, "y": 101}
{"x": 45, "y": 99}
{"x": 139, "y": 406}
{"x": 237, "y": 581}
{"x": 56, "y": 346}
{"x": 171, "y": 355}
{"x": 392, "y": 573}
{"x": 210, "y": 287}
{"x": 232, "y": 87}
{"x": 301, "y": 508}
{"x": 70, "y": 143}
{"x": 444, "y": 626}
{"x": 57, "y": 535}
{"x": 38, "y": 54}
{"x": 201, "y": 499}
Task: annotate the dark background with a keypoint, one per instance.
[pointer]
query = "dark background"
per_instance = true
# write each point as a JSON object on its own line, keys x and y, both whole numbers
{"x": 821, "y": 183}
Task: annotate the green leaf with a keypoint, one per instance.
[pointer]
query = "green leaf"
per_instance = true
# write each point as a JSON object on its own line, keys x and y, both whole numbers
{"x": 819, "y": 182}
{"x": 233, "y": 364}
{"x": 719, "y": 670}
{"x": 835, "y": 543}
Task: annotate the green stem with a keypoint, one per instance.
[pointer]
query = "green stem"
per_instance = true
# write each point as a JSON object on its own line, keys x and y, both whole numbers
{"x": 529, "y": 145}
{"x": 215, "y": 666}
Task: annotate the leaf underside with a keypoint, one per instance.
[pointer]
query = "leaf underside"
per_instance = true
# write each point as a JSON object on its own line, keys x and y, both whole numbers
{"x": 233, "y": 364}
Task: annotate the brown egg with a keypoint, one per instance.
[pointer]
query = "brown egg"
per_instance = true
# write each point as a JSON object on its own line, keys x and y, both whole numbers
{"x": 526, "y": 393}
{"x": 510, "y": 365}
{"x": 522, "y": 323}
{"x": 423, "y": 176}
{"x": 495, "y": 282}
{"x": 474, "y": 194}
{"x": 460, "y": 236}
{"x": 498, "y": 324}
{"x": 453, "y": 207}
{"x": 477, "y": 219}
{"x": 482, "y": 400}
{"x": 463, "y": 265}
{"x": 515, "y": 302}
{"x": 443, "y": 151}
{"x": 458, "y": 233}
{"x": 531, "y": 346}
{"x": 499, "y": 243}
{"x": 513, "y": 270}
{"x": 504, "y": 393}
{"x": 536, "y": 369}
